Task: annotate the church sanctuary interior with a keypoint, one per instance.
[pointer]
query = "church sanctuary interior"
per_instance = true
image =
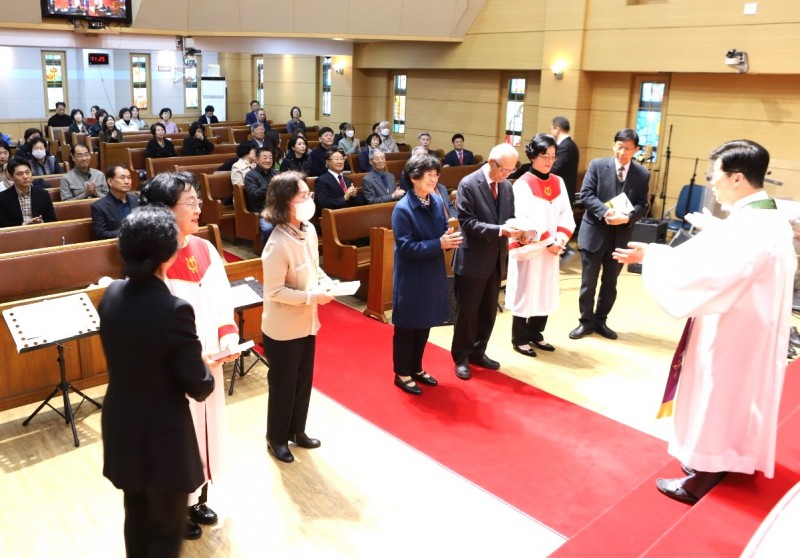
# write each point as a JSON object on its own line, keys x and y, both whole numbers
{"x": 550, "y": 456}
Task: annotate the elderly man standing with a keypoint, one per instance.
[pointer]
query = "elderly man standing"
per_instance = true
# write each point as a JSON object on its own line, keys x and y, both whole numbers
{"x": 388, "y": 145}
{"x": 734, "y": 282}
{"x": 485, "y": 203}
{"x": 378, "y": 186}
{"x": 82, "y": 181}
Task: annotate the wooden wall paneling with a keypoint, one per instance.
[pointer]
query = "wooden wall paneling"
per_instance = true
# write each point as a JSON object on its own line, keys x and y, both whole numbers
{"x": 290, "y": 81}
{"x": 509, "y": 16}
{"x": 235, "y": 66}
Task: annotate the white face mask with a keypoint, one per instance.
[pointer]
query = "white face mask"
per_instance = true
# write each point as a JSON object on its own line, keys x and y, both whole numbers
{"x": 350, "y": 133}
{"x": 305, "y": 211}
{"x": 385, "y": 132}
{"x": 39, "y": 153}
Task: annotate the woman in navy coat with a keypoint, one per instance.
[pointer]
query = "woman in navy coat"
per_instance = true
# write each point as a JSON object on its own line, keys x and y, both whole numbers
{"x": 420, "y": 300}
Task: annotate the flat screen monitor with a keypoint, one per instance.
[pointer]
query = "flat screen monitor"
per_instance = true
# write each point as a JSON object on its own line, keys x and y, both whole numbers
{"x": 99, "y": 10}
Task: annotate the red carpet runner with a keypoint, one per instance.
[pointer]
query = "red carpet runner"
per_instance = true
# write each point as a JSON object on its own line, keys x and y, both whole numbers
{"x": 555, "y": 461}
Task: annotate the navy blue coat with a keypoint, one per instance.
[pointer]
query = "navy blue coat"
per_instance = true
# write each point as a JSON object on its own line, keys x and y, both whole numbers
{"x": 420, "y": 299}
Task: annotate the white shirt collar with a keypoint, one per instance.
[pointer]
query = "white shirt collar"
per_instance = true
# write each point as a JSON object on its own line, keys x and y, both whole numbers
{"x": 756, "y": 196}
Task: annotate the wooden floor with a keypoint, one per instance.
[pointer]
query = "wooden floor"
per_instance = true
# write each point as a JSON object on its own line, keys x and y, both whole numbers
{"x": 363, "y": 493}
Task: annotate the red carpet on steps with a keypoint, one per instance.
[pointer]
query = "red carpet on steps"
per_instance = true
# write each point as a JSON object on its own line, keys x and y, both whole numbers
{"x": 555, "y": 461}
{"x": 230, "y": 257}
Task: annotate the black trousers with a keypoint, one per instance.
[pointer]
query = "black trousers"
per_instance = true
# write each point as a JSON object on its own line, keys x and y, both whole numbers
{"x": 527, "y": 329}
{"x": 155, "y": 523}
{"x": 291, "y": 372}
{"x": 408, "y": 345}
{"x": 476, "y": 311}
{"x": 592, "y": 262}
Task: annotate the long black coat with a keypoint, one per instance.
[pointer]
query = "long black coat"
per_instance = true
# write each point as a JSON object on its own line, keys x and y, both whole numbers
{"x": 154, "y": 361}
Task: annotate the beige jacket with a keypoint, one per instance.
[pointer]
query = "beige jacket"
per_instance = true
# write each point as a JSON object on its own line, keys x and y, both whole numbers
{"x": 291, "y": 277}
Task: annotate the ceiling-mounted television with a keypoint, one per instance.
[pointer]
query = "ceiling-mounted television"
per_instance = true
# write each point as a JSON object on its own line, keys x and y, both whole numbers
{"x": 92, "y": 10}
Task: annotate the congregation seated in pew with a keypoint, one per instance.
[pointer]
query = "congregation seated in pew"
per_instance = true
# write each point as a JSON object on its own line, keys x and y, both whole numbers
{"x": 246, "y": 151}
{"x": 109, "y": 212}
{"x": 256, "y": 185}
{"x": 82, "y": 181}
{"x": 25, "y": 203}
{"x": 5, "y": 156}
{"x": 196, "y": 143}
{"x": 160, "y": 146}
{"x": 334, "y": 190}
{"x": 379, "y": 186}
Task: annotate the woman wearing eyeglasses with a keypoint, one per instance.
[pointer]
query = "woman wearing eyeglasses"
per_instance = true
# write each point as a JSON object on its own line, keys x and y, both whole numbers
{"x": 294, "y": 286}
{"x": 543, "y": 210}
{"x": 198, "y": 277}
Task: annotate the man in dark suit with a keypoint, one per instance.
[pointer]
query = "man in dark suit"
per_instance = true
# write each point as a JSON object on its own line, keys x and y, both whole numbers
{"x": 459, "y": 156}
{"x": 567, "y": 156}
{"x": 485, "y": 202}
{"x": 208, "y": 116}
{"x": 150, "y": 448}
{"x": 109, "y": 211}
{"x": 333, "y": 190}
{"x": 603, "y": 229}
{"x": 379, "y": 185}
{"x": 317, "y": 166}
{"x": 252, "y": 116}
{"x": 26, "y": 203}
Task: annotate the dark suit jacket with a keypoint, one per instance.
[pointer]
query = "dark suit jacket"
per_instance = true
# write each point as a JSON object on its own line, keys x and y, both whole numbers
{"x": 328, "y": 193}
{"x": 451, "y": 158}
{"x": 374, "y": 188}
{"x": 106, "y": 216}
{"x": 483, "y": 248}
{"x": 566, "y": 166}
{"x": 154, "y": 361}
{"x": 599, "y": 186}
{"x": 11, "y": 214}
{"x": 204, "y": 120}
{"x": 251, "y": 118}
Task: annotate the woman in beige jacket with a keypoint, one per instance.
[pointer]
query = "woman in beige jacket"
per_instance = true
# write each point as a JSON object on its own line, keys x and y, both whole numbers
{"x": 294, "y": 285}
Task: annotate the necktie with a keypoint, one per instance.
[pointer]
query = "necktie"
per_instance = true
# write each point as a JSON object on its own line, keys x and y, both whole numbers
{"x": 493, "y": 186}
{"x": 342, "y": 184}
{"x": 620, "y": 174}
{"x": 460, "y": 157}
{"x": 386, "y": 183}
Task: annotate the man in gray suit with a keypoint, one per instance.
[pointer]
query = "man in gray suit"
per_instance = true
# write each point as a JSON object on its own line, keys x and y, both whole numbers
{"x": 378, "y": 186}
{"x": 485, "y": 202}
{"x": 603, "y": 229}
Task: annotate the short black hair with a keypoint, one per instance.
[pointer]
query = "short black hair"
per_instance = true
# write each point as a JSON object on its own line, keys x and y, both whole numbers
{"x": 245, "y": 147}
{"x": 456, "y": 136}
{"x": 18, "y": 162}
{"x": 4, "y": 145}
{"x": 291, "y": 111}
{"x": 123, "y": 110}
{"x": 325, "y": 130}
{"x": 72, "y": 148}
{"x": 368, "y": 141}
{"x": 111, "y": 171}
{"x": 193, "y": 129}
{"x": 156, "y": 125}
{"x": 209, "y": 108}
{"x": 148, "y": 237}
{"x": 165, "y": 188}
{"x": 293, "y": 141}
{"x": 627, "y": 134}
{"x": 282, "y": 190}
{"x": 163, "y": 110}
{"x": 561, "y": 123}
{"x": 539, "y": 145}
{"x": 419, "y": 164}
{"x": 61, "y": 104}
{"x": 29, "y": 132}
{"x": 254, "y": 101}
{"x": 260, "y": 150}
{"x": 74, "y": 112}
{"x": 744, "y": 156}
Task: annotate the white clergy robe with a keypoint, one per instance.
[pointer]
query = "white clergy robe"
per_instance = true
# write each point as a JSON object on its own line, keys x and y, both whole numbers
{"x": 736, "y": 278}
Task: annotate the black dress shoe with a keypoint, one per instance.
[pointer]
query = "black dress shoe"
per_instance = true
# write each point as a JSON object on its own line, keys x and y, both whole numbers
{"x": 424, "y": 378}
{"x": 791, "y": 352}
{"x": 485, "y": 362}
{"x": 462, "y": 371}
{"x": 527, "y": 352}
{"x": 304, "y": 441}
{"x": 280, "y": 452}
{"x": 688, "y": 470}
{"x": 580, "y": 331}
{"x": 794, "y": 337}
{"x": 541, "y": 345}
{"x": 606, "y": 331}
{"x": 193, "y": 530}
{"x": 691, "y": 488}
{"x": 406, "y": 385}
{"x": 202, "y": 514}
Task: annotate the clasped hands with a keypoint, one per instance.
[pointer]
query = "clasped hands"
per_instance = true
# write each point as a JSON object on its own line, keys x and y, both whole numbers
{"x": 350, "y": 192}
{"x": 613, "y": 217}
{"x": 451, "y": 239}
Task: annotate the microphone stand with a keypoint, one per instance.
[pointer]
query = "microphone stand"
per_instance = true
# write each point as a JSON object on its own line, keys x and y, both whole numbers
{"x": 663, "y": 195}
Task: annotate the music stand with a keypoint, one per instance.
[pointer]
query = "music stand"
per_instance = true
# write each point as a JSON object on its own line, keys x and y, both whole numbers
{"x": 246, "y": 293}
{"x": 54, "y": 322}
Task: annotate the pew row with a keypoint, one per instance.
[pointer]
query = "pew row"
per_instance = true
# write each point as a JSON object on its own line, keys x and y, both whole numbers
{"x": 45, "y": 235}
{"x": 73, "y": 209}
{"x": 221, "y": 154}
{"x": 216, "y": 193}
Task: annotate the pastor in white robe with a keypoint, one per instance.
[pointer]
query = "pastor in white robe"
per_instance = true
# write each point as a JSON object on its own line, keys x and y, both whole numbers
{"x": 736, "y": 279}
{"x": 543, "y": 206}
{"x": 198, "y": 276}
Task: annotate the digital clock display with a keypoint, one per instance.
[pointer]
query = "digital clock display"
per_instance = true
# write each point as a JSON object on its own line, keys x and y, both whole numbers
{"x": 98, "y": 58}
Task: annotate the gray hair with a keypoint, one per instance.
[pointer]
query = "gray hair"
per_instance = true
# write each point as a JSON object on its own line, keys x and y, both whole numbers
{"x": 383, "y": 123}
{"x": 503, "y": 150}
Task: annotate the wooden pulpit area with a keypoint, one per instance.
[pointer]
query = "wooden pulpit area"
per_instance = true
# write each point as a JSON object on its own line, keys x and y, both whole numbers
{"x": 38, "y": 274}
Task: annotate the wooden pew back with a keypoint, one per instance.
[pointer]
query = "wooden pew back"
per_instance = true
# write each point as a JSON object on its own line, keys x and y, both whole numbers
{"x": 452, "y": 176}
{"x": 247, "y": 227}
{"x": 73, "y": 209}
{"x": 221, "y": 154}
{"x": 45, "y": 235}
{"x": 215, "y": 190}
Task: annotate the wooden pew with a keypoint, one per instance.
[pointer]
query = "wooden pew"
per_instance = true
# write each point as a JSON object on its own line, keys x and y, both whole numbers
{"x": 44, "y": 235}
{"x": 451, "y": 176}
{"x": 221, "y": 154}
{"x": 216, "y": 191}
{"x": 381, "y": 273}
{"x": 54, "y": 193}
{"x": 395, "y": 167}
{"x": 247, "y": 224}
{"x": 341, "y": 226}
{"x": 117, "y": 153}
{"x": 74, "y": 209}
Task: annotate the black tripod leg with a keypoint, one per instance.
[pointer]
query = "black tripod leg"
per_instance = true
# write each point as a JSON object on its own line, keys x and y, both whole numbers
{"x": 40, "y": 407}
{"x": 86, "y": 397}
{"x": 68, "y": 415}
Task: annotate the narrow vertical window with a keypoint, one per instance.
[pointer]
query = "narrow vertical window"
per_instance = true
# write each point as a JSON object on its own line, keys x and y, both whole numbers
{"x": 140, "y": 80}
{"x": 258, "y": 72}
{"x": 326, "y": 86}
{"x": 515, "y": 107}
{"x": 649, "y": 115}
{"x": 191, "y": 85}
{"x": 55, "y": 73}
{"x": 399, "y": 105}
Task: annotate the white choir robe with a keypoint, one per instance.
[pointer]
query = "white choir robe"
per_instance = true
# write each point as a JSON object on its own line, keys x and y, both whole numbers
{"x": 532, "y": 287}
{"x": 202, "y": 282}
{"x": 736, "y": 278}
